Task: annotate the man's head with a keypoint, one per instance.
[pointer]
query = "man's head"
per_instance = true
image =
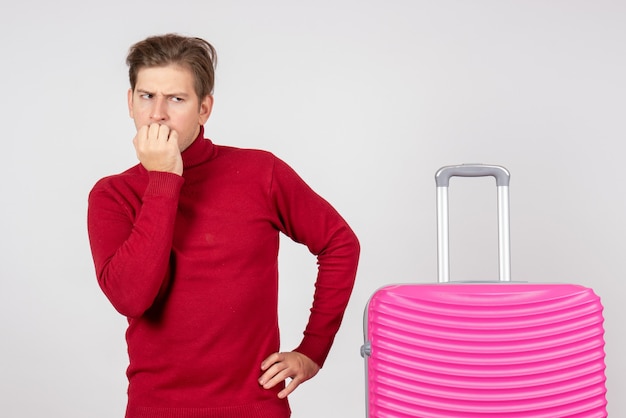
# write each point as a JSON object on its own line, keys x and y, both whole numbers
{"x": 171, "y": 78}
{"x": 193, "y": 54}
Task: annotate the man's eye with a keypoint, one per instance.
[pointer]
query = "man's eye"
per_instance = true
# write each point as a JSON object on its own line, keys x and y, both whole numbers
{"x": 177, "y": 99}
{"x": 146, "y": 96}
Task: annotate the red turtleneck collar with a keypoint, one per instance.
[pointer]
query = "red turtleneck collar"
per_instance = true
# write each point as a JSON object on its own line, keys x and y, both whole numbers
{"x": 200, "y": 151}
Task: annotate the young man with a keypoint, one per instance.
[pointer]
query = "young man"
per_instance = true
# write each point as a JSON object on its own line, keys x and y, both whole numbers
{"x": 185, "y": 245}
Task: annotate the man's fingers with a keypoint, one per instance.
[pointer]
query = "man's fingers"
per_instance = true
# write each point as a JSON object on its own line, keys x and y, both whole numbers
{"x": 157, "y": 148}
{"x": 279, "y": 367}
{"x": 270, "y": 360}
{"x": 295, "y": 382}
{"x": 140, "y": 137}
{"x": 173, "y": 136}
{"x": 155, "y": 136}
{"x": 157, "y": 132}
{"x": 153, "y": 131}
{"x": 276, "y": 373}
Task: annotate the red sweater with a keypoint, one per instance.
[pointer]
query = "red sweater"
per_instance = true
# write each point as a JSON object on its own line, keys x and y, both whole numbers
{"x": 192, "y": 262}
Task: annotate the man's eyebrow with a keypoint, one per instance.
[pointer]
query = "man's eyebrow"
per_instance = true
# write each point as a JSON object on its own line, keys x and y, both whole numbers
{"x": 143, "y": 91}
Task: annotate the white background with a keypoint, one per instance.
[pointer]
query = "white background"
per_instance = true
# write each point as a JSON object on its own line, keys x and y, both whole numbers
{"x": 366, "y": 100}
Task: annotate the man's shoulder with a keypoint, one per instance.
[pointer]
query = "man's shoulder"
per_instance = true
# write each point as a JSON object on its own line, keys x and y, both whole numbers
{"x": 228, "y": 150}
{"x": 249, "y": 155}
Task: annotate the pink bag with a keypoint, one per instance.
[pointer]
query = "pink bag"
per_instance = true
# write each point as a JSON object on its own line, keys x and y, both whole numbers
{"x": 483, "y": 349}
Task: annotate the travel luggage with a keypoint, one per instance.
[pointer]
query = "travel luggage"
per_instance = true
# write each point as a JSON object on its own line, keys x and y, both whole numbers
{"x": 483, "y": 349}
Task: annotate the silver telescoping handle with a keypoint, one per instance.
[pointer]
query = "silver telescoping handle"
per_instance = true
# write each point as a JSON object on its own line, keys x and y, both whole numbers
{"x": 442, "y": 179}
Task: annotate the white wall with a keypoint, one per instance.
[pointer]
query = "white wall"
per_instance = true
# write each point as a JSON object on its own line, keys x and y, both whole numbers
{"x": 366, "y": 100}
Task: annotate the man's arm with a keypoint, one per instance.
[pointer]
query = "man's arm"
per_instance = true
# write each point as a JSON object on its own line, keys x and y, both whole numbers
{"x": 309, "y": 219}
{"x": 131, "y": 236}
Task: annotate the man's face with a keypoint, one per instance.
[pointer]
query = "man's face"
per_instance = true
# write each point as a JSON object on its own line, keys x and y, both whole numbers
{"x": 166, "y": 95}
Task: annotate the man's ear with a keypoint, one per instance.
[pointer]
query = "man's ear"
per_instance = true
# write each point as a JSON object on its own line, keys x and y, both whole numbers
{"x": 130, "y": 102}
{"x": 206, "y": 105}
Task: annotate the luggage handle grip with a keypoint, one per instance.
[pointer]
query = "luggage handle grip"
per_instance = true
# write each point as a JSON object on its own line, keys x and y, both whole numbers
{"x": 500, "y": 173}
{"x": 442, "y": 178}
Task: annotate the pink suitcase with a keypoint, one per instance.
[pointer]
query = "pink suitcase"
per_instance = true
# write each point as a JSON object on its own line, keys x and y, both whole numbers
{"x": 483, "y": 349}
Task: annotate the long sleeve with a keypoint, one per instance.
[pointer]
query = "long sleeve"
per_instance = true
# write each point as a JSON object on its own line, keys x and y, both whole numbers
{"x": 309, "y": 219}
{"x": 131, "y": 238}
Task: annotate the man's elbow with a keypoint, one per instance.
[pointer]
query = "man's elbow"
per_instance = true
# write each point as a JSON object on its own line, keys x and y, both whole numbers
{"x": 127, "y": 303}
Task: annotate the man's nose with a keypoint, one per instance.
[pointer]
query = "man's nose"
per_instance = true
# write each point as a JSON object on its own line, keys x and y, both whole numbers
{"x": 159, "y": 109}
